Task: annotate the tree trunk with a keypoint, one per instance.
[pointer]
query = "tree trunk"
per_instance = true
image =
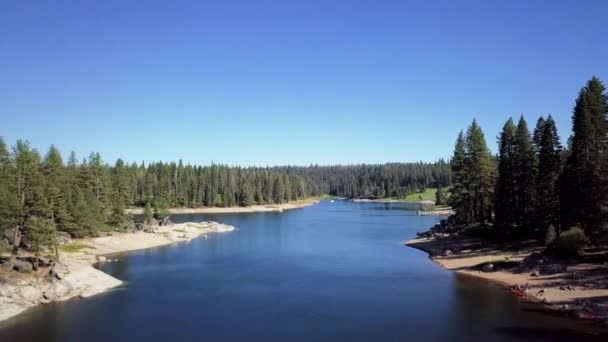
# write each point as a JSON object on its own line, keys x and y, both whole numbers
{"x": 16, "y": 243}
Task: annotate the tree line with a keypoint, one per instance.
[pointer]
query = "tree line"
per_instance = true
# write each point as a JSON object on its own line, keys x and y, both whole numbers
{"x": 535, "y": 186}
{"x": 42, "y": 195}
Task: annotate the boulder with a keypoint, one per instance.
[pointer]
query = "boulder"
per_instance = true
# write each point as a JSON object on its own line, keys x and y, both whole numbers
{"x": 22, "y": 266}
{"x": 30, "y": 293}
{"x": 447, "y": 252}
{"x": 534, "y": 260}
{"x": 42, "y": 261}
{"x": 165, "y": 222}
{"x": 63, "y": 238}
{"x": 101, "y": 258}
{"x": 553, "y": 269}
{"x": 535, "y": 274}
{"x": 149, "y": 229}
{"x": 58, "y": 271}
{"x": 488, "y": 268}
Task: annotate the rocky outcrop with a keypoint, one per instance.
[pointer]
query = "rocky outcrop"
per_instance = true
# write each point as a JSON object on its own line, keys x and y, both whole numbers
{"x": 75, "y": 276}
{"x": 63, "y": 281}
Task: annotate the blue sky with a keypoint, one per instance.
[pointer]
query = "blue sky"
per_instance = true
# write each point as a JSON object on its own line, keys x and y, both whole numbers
{"x": 288, "y": 82}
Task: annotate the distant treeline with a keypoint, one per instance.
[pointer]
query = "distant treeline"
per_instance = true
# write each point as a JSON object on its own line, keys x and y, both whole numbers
{"x": 40, "y": 195}
{"x": 535, "y": 187}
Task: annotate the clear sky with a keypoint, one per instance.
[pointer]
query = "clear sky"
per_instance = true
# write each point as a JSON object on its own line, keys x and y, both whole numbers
{"x": 288, "y": 82}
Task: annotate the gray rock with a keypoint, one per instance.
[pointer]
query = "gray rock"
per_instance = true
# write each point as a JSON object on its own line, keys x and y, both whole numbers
{"x": 149, "y": 229}
{"x": 165, "y": 222}
{"x": 58, "y": 271}
{"x": 30, "y": 293}
{"x": 63, "y": 238}
{"x": 488, "y": 268}
{"x": 22, "y": 266}
{"x": 535, "y": 274}
{"x": 534, "y": 260}
{"x": 447, "y": 252}
{"x": 101, "y": 258}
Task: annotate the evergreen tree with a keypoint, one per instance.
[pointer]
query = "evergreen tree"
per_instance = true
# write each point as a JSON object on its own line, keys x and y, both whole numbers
{"x": 440, "y": 197}
{"x": 148, "y": 213}
{"x": 549, "y": 167}
{"x": 29, "y": 189}
{"x": 460, "y": 198}
{"x": 525, "y": 175}
{"x": 56, "y": 188}
{"x": 480, "y": 174}
{"x": 161, "y": 210}
{"x": 584, "y": 179}
{"x": 505, "y": 197}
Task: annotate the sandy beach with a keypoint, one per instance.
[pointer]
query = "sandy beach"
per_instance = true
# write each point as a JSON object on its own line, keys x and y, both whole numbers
{"x": 74, "y": 274}
{"x": 236, "y": 210}
{"x": 581, "y": 282}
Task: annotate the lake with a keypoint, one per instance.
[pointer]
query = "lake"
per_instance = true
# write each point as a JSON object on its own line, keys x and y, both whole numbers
{"x": 331, "y": 271}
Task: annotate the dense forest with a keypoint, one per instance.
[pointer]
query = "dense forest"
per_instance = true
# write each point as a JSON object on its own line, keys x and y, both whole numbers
{"x": 40, "y": 195}
{"x": 535, "y": 187}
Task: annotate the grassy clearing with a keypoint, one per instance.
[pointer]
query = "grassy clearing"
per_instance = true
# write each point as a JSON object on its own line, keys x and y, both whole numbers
{"x": 427, "y": 195}
{"x": 73, "y": 247}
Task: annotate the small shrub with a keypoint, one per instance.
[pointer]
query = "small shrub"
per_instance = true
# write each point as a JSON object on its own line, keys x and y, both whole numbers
{"x": 570, "y": 243}
{"x": 550, "y": 236}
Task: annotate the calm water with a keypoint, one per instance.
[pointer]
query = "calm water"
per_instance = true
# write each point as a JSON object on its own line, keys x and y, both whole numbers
{"x": 333, "y": 271}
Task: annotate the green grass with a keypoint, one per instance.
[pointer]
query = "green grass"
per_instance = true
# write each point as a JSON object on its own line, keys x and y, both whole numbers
{"x": 427, "y": 195}
{"x": 73, "y": 247}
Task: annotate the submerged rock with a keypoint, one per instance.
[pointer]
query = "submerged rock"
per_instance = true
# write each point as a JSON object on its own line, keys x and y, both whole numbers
{"x": 488, "y": 268}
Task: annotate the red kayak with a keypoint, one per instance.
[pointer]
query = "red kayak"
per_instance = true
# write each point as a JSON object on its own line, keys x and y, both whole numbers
{"x": 519, "y": 293}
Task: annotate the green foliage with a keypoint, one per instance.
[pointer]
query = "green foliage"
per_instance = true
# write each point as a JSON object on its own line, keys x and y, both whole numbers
{"x": 473, "y": 173}
{"x": 440, "y": 197}
{"x": 41, "y": 234}
{"x": 161, "y": 210}
{"x": 549, "y": 166}
{"x": 148, "y": 213}
{"x": 550, "y": 236}
{"x": 570, "y": 243}
{"x": 584, "y": 193}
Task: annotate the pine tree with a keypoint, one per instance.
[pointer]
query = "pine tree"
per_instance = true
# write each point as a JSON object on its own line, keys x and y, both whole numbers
{"x": 56, "y": 188}
{"x": 584, "y": 180}
{"x": 525, "y": 176}
{"x": 29, "y": 189}
{"x": 480, "y": 174}
{"x": 161, "y": 210}
{"x": 460, "y": 197}
{"x": 549, "y": 167}
{"x": 440, "y": 197}
{"x": 148, "y": 213}
{"x": 505, "y": 197}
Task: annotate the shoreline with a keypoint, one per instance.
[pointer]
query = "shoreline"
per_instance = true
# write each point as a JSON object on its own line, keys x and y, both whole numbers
{"x": 236, "y": 210}
{"x": 392, "y": 200}
{"x": 74, "y": 274}
{"x": 547, "y": 290}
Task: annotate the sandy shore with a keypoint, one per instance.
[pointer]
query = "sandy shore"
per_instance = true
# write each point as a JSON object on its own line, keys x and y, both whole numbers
{"x": 236, "y": 210}
{"x": 74, "y": 275}
{"x": 590, "y": 280}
